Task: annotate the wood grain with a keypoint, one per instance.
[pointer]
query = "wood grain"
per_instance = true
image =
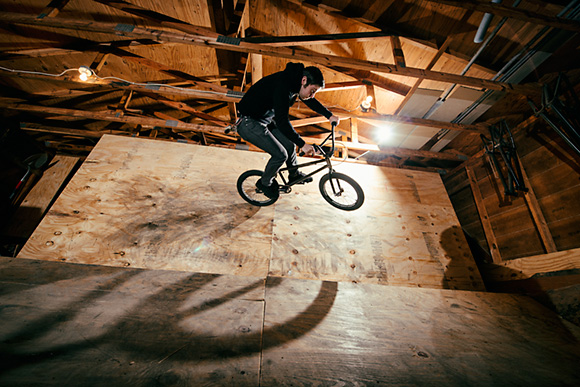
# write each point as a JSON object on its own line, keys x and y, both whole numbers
{"x": 161, "y": 205}
{"x": 324, "y": 333}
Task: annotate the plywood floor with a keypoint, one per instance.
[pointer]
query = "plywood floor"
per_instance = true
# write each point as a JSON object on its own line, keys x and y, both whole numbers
{"x": 161, "y": 205}
{"x": 80, "y": 325}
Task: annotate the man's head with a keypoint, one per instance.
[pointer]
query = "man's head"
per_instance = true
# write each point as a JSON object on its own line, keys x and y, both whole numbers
{"x": 312, "y": 81}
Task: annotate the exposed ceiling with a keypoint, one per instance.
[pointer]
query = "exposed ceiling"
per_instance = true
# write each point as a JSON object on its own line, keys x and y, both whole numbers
{"x": 175, "y": 69}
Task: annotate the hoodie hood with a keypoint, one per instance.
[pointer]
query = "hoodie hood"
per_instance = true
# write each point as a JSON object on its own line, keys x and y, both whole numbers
{"x": 294, "y": 72}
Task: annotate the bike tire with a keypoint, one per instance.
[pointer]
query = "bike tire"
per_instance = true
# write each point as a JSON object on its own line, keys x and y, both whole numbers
{"x": 247, "y": 189}
{"x": 341, "y": 191}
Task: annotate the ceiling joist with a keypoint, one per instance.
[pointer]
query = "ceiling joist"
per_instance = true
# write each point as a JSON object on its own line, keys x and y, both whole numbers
{"x": 221, "y": 42}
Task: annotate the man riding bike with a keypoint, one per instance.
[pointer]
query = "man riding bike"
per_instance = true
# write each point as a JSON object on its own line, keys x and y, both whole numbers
{"x": 264, "y": 119}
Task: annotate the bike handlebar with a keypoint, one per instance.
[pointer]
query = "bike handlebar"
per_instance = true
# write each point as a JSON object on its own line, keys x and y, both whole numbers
{"x": 319, "y": 149}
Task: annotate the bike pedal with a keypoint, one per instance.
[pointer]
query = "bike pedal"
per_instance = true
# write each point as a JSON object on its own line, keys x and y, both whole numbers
{"x": 285, "y": 189}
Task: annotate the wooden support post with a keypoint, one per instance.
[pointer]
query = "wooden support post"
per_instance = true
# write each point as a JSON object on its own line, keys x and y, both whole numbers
{"x": 537, "y": 215}
{"x": 371, "y": 93}
{"x": 257, "y": 71}
{"x": 397, "y": 51}
{"x": 487, "y": 229}
{"x": 354, "y": 129}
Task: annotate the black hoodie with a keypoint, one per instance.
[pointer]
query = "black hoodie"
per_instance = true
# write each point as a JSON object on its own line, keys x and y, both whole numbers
{"x": 269, "y": 101}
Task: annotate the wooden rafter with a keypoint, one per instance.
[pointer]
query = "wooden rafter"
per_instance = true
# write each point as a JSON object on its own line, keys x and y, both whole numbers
{"x": 299, "y": 40}
{"x": 234, "y": 97}
{"x": 111, "y": 117}
{"x": 150, "y": 87}
{"x": 394, "y": 151}
{"x": 236, "y": 45}
{"x": 373, "y": 116}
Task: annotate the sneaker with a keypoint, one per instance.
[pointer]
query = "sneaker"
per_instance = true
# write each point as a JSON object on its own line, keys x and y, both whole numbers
{"x": 297, "y": 176}
{"x": 271, "y": 191}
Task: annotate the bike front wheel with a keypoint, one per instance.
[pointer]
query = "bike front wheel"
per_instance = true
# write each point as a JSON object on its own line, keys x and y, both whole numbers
{"x": 248, "y": 190}
{"x": 341, "y": 191}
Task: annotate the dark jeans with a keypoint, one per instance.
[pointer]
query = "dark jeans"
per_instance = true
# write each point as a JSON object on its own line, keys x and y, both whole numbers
{"x": 273, "y": 142}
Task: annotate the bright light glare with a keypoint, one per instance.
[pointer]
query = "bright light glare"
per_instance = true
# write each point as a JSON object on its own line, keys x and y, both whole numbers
{"x": 383, "y": 134}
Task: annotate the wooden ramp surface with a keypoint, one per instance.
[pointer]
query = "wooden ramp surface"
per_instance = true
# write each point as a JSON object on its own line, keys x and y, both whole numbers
{"x": 80, "y": 325}
{"x": 161, "y": 205}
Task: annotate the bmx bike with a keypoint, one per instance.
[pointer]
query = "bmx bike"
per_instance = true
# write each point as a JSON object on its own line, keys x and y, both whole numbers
{"x": 338, "y": 189}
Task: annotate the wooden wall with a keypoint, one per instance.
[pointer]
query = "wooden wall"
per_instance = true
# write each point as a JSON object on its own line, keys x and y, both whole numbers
{"x": 553, "y": 171}
{"x": 532, "y": 241}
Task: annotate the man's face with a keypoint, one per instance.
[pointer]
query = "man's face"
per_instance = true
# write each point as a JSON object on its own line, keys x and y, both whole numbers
{"x": 307, "y": 92}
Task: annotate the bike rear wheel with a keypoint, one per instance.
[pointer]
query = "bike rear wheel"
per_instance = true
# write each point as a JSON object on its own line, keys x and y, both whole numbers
{"x": 248, "y": 190}
{"x": 341, "y": 191}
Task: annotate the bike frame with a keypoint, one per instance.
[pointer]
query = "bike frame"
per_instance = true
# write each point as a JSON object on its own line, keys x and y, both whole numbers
{"x": 325, "y": 159}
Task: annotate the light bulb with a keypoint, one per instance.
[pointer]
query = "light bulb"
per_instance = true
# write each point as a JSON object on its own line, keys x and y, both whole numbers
{"x": 366, "y": 104}
{"x": 85, "y": 73}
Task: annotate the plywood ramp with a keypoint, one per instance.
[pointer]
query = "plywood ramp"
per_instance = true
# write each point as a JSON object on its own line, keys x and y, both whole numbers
{"x": 162, "y": 205}
{"x": 79, "y": 325}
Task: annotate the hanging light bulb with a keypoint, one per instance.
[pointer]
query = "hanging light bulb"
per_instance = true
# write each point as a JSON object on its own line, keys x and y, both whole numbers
{"x": 85, "y": 73}
{"x": 366, "y": 104}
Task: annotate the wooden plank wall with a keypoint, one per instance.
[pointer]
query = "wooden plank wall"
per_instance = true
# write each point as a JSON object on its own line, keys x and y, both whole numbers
{"x": 553, "y": 171}
{"x": 163, "y": 205}
{"x": 544, "y": 266}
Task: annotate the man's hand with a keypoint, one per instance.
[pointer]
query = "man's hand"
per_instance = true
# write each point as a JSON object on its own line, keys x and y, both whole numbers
{"x": 334, "y": 119}
{"x": 308, "y": 150}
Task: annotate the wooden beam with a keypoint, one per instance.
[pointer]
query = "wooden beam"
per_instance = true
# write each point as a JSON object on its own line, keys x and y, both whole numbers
{"x": 371, "y": 93}
{"x": 381, "y": 118}
{"x": 220, "y": 42}
{"x": 528, "y": 267}
{"x": 515, "y": 13}
{"x": 483, "y": 216}
{"x": 354, "y": 130}
{"x": 342, "y": 85}
{"x": 108, "y": 116}
{"x": 300, "y": 40}
{"x": 81, "y": 133}
{"x": 391, "y": 151}
{"x": 537, "y": 215}
{"x": 397, "y": 51}
{"x": 188, "y": 109}
{"x": 231, "y": 96}
{"x": 369, "y": 78}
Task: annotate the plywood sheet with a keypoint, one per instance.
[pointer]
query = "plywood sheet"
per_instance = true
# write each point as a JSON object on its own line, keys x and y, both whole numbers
{"x": 405, "y": 234}
{"x": 76, "y": 324}
{"x": 162, "y": 205}
{"x": 67, "y": 324}
{"x": 328, "y": 333}
{"x": 159, "y": 205}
